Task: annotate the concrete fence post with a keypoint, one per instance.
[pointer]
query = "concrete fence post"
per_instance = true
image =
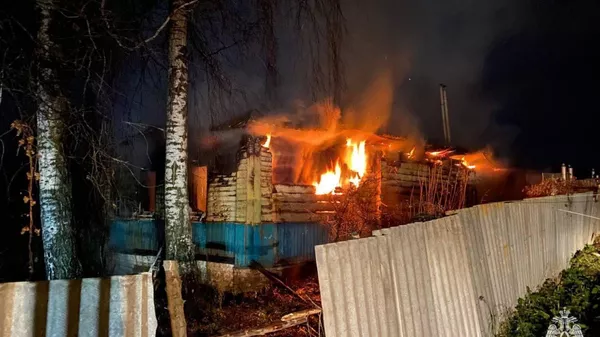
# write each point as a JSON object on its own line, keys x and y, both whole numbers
{"x": 174, "y": 299}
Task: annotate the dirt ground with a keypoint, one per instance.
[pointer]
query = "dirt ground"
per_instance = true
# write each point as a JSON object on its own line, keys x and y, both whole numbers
{"x": 209, "y": 313}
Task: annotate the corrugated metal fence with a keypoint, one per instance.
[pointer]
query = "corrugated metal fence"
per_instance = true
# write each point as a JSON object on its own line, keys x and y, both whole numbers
{"x": 117, "y": 306}
{"x": 454, "y": 276}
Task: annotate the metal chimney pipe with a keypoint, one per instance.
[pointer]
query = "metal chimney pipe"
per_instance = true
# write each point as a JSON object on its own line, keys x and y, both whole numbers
{"x": 563, "y": 172}
{"x": 447, "y": 116}
{"x": 443, "y": 107}
{"x": 570, "y": 172}
{"x": 449, "y": 140}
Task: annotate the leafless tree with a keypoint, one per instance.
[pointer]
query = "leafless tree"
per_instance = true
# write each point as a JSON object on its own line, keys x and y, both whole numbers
{"x": 178, "y": 229}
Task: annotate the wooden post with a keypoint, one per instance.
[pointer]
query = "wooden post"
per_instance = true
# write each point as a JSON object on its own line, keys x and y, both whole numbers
{"x": 257, "y": 209}
{"x": 174, "y": 299}
{"x": 376, "y": 172}
{"x": 253, "y": 182}
{"x": 199, "y": 185}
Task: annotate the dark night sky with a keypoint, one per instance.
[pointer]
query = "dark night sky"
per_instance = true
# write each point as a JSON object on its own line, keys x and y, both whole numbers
{"x": 545, "y": 80}
{"x": 521, "y": 75}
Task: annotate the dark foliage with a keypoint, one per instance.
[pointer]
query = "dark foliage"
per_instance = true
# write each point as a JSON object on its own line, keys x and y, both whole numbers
{"x": 577, "y": 289}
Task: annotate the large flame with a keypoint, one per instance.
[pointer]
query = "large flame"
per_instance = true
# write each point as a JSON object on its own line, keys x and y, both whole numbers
{"x": 357, "y": 158}
{"x": 356, "y": 163}
{"x": 330, "y": 180}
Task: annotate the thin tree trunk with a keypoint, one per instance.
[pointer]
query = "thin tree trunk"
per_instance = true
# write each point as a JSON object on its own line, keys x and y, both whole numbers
{"x": 178, "y": 230}
{"x": 55, "y": 190}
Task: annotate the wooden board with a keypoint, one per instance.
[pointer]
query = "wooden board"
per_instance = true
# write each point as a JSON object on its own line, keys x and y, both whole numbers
{"x": 283, "y": 197}
{"x": 300, "y": 207}
{"x": 297, "y": 217}
{"x": 302, "y": 189}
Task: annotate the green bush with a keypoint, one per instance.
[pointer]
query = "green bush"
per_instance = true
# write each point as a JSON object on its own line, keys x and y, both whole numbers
{"x": 577, "y": 288}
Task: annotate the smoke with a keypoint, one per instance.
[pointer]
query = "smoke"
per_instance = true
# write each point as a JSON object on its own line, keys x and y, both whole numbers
{"x": 427, "y": 43}
{"x": 396, "y": 53}
{"x": 373, "y": 109}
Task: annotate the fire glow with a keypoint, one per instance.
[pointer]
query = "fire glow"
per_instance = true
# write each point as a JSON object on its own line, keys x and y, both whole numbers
{"x": 465, "y": 163}
{"x": 356, "y": 161}
{"x": 410, "y": 154}
{"x": 441, "y": 153}
{"x": 267, "y": 142}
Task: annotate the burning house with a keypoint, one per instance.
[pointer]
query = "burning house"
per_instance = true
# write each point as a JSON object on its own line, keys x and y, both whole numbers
{"x": 281, "y": 190}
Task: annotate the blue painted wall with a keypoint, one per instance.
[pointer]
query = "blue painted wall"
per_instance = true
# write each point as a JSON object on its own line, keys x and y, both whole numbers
{"x": 142, "y": 237}
{"x": 269, "y": 244}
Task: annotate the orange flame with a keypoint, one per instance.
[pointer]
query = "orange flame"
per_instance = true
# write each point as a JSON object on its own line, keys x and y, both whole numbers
{"x": 354, "y": 180}
{"x": 411, "y": 153}
{"x": 480, "y": 161}
{"x": 465, "y": 163}
{"x": 268, "y": 141}
{"x": 329, "y": 181}
{"x": 357, "y": 159}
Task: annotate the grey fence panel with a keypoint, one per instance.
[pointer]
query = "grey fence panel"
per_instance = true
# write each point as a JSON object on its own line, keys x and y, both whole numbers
{"x": 118, "y": 306}
{"x": 455, "y": 276}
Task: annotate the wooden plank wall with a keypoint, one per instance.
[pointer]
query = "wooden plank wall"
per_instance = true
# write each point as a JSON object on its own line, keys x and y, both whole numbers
{"x": 246, "y": 195}
{"x": 397, "y": 184}
{"x": 400, "y": 180}
{"x": 298, "y": 203}
{"x": 222, "y": 194}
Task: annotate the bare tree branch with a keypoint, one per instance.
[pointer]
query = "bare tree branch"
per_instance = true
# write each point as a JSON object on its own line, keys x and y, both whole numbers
{"x": 149, "y": 39}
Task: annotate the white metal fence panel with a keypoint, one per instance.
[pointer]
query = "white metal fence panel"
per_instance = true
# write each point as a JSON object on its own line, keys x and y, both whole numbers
{"x": 455, "y": 276}
{"x": 116, "y": 306}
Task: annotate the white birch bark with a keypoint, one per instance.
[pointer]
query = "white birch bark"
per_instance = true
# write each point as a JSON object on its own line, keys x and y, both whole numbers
{"x": 178, "y": 229}
{"x": 54, "y": 187}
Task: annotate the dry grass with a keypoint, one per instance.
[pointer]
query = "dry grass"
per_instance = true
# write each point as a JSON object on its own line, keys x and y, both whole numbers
{"x": 356, "y": 211}
{"x": 209, "y": 313}
{"x": 550, "y": 187}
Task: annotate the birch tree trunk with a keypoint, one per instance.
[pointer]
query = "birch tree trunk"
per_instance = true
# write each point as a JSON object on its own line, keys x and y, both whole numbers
{"x": 54, "y": 187}
{"x": 178, "y": 229}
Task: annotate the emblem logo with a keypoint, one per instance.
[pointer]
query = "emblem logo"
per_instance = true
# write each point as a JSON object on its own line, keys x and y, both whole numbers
{"x": 564, "y": 326}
